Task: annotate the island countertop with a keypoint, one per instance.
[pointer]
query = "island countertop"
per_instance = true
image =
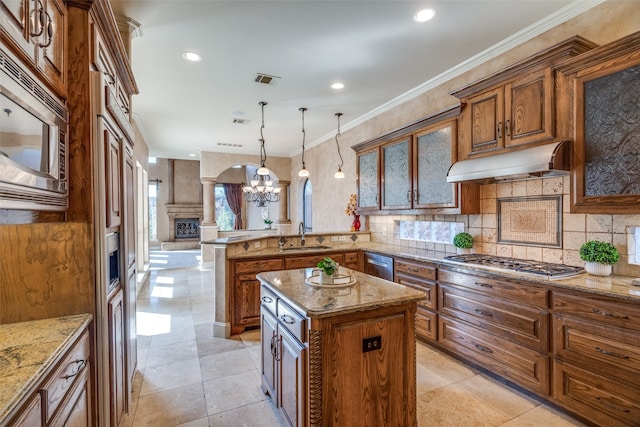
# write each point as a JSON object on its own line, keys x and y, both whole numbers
{"x": 368, "y": 293}
{"x": 28, "y": 351}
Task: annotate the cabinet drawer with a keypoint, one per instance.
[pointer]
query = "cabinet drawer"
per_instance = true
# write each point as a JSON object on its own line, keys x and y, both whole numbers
{"x": 268, "y": 300}
{"x": 526, "y": 367}
{"x": 258, "y": 266}
{"x": 518, "y": 324}
{"x": 429, "y": 289}
{"x": 609, "y": 351}
{"x": 504, "y": 288}
{"x": 310, "y": 261}
{"x": 63, "y": 379}
{"x": 423, "y": 271}
{"x": 605, "y": 402}
{"x": 351, "y": 257}
{"x": 611, "y": 313}
{"x": 293, "y": 321}
{"x": 426, "y": 324}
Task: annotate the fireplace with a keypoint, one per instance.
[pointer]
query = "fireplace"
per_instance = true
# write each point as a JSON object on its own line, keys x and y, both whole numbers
{"x": 187, "y": 228}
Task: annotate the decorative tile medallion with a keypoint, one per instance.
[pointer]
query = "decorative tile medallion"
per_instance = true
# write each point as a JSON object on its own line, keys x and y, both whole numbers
{"x": 530, "y": 221}
{"x": 246, "y": 246}
{"x": 320, "y": 239}
{"x": 354, "y": 237}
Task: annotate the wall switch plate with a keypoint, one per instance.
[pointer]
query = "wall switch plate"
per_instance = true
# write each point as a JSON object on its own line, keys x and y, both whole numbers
{"x": 370, "y": 344}
{"x": 335, "y": 238}
{"x": 256, "y": 245}
{"x": 384, "y": 231}
{"x": 343, "y": 238}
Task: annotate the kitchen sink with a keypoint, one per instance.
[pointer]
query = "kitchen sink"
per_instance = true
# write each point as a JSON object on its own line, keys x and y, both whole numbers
{"x": 305, "y": 248}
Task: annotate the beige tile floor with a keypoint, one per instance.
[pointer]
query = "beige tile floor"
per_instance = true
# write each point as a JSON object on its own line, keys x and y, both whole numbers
{"x": 186, "y": 377}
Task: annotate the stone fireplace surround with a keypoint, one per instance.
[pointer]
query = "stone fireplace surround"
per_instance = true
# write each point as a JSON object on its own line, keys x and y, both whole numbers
{"x": 182, "y": 211}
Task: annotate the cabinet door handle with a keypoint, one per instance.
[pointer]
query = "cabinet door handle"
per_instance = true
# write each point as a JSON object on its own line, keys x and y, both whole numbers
{"x": 507, "y": 131}
{"x": 267, "y": 300}
{"x": 499, "y": 130}
{"x": 287, "y": 319}
{"x": 484, "y": 312}
{"x": 483, "y": 348}
{"x": 378, "y": 263}
{"x": 278, "y": 346}
{"x": 611, "y": 315}
{"x": 611, "y": 405}
{"x": 610, "y": 353}
{"x": 80, "y": 364}
{"x": 484, "y": 285}
{"x": 415, "y": 196}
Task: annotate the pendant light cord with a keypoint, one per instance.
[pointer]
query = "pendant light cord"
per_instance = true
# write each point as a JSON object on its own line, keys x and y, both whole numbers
{"x": 337, "y": 143}
{"x": 263, "y": 152}
{"x": 303, "y": 109}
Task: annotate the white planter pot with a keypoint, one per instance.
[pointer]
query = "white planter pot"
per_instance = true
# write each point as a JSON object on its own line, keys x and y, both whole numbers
{"x": 463, "y": 251}
{"x": 597, "y": 269}
{"x": 326, "y": 279}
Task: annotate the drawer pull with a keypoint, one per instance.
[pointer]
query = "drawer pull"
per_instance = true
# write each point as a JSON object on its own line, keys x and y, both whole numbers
{"x": 484, "y": 312}
{"x": 483, "y": 348}
{"x": 287, "y": 319}
{"x": 413, "y": 270}
{"x": 609, "y": 353}
{"x": 484, "y": 285}
{"x": 613, "y": 316}
{"x": 611, "y": 405}
{"x": 80, "y": 366}
{"x": 278, "y": 354}
{"x": 267, "y": 300}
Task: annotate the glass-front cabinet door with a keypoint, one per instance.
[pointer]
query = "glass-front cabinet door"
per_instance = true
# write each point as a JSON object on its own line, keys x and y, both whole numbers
{"x": 369, "y": 180}
{"x": 434, "y": 155}
{"x": 396, "y": 177}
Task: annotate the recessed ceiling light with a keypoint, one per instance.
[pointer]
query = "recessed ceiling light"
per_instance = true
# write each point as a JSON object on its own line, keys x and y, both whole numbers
{"x": 191, "y": 56}
{"x": 424, "y": 15}
{"x": 191, "y": 155}
{"x": 337, "y": 86}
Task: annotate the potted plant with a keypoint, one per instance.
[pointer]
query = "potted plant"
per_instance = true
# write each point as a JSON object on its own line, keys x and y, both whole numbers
{"x": 328, "y": 268}
{"x": 267, "y": 223}
{"x": 463, "y": 241}
{"x": 599, "y": 257}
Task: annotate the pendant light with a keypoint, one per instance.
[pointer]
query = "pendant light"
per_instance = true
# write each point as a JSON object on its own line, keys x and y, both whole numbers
{"x": 261, "y": 190}
{"x": 339, "y": 174}
{"x": 303, "y": 172}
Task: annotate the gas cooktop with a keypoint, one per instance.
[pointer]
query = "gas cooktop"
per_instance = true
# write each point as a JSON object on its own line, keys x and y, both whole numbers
{"x": 535, "y": 268}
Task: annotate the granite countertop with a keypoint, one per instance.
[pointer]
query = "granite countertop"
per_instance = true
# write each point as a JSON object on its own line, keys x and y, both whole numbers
{"x": 28, "y": 350}
{"x": 368, "y": 293}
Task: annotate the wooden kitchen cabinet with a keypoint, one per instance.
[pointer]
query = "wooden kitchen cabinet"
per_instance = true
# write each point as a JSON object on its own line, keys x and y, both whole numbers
{"x": 352, "y": 260}
{"x": 113, "y": 187}
{"x": 414, "y": 162}
{"x": 597, "y": 358}
{"x": 117, "y": 354}
{"x": 516, "y": 106}
{"x": 421, "y": 276}
{"x": 42, "y": 48}
{"x": 311, "y": 261}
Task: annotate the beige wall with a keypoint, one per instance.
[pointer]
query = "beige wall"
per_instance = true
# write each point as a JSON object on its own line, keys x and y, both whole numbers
{"x": 602, "y": 24}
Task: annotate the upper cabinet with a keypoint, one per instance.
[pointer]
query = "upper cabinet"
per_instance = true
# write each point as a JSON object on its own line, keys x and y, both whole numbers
{"x": 601, "y": 109}
{"x": 35, "y": 31}
{"x": 412, "y": 171}
{"x": 515, "y": 106}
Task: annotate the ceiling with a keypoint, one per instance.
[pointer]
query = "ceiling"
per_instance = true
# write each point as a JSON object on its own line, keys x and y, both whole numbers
{"x": 373, "y": 47}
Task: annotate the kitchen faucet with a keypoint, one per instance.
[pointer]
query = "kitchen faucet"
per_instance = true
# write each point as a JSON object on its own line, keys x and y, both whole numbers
{"x": 301, "y": 232}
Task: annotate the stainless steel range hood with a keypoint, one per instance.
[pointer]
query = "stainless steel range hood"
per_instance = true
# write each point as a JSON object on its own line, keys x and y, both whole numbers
{"x": 541, "y": 161}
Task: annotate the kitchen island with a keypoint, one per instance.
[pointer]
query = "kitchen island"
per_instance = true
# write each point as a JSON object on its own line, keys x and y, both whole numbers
{"x": 339, "y": 355}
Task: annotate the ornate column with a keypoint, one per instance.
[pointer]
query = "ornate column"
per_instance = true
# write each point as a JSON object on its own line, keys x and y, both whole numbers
{"x": 208, "y": 201}
{"x": 284, "y": 202}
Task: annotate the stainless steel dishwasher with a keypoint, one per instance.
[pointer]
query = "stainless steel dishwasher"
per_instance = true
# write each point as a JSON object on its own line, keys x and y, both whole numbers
{"x": 378, "y": 265}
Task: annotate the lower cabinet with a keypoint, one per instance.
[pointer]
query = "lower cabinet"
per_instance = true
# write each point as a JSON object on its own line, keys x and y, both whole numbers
{"x": 421, "y": 276}
{"x": 117, "y": 371}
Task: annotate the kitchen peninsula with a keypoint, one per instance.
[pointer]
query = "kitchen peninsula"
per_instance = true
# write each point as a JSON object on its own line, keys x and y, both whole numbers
{"x": 339, "y": 355}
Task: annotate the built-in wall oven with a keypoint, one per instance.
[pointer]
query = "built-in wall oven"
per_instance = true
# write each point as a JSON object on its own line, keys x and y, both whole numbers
{"x": 113, "y": 261}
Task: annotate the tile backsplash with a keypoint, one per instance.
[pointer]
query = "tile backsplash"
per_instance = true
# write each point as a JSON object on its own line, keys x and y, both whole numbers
{"x": 620, "y": 230}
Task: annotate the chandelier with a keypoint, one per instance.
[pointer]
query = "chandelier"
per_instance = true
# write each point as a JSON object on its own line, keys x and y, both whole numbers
{"x": 261, "y": 190}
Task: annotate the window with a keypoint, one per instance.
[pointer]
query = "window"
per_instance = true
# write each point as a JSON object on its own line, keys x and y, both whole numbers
{"x": 306, "y": 205}
{"x": 224, "y": 217}
{"x": 153, "y": 212}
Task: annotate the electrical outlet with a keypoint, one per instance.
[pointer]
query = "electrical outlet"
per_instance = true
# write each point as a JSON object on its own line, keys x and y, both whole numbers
{"x": 256, "y": 245}
{"x": 384, "y": 231}
{"x": 370, "y": 344}
{"x": 343, "y": 238}
{"x": 335, "y": 238}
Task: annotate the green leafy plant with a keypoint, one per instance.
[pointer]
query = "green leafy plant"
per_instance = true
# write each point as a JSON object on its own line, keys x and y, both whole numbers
{"x": 463, "y": 240}
{"x": 268, "y": 221}
{"x": 328, "y": 265}
{"x": 600, "y": 252}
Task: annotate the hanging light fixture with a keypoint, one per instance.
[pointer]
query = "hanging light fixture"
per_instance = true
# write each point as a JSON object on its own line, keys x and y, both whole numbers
{"x": 339, "y": 174}
{"x": 303, "y": 172}
{"x": 261, "y": 191}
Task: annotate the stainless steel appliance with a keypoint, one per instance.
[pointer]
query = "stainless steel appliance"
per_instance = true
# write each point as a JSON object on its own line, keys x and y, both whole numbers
{"x": 533, "y": 268}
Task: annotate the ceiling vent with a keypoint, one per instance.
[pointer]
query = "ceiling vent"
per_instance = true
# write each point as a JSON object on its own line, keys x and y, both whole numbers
{"x": 266, "y": 79}
{"x": 241, "y": 121}
{"x": 225, "y": 144}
